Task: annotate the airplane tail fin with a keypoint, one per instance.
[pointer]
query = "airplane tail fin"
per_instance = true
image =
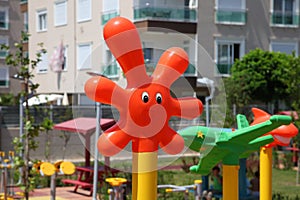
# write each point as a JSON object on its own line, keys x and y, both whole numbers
{"x": 242, "y": 121}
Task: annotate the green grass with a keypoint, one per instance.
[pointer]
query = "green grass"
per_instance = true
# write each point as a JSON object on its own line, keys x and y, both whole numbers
{"x": 284, "y": 182}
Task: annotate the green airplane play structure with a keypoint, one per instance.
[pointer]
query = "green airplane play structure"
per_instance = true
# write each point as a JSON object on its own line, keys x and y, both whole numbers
{"x": 229, "y": 146}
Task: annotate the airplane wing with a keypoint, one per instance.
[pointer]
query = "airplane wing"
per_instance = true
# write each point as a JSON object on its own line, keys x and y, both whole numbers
{"x": 255, "y": 144}
{"x": 247, "y": 134}
{"x": 207, "y": 162}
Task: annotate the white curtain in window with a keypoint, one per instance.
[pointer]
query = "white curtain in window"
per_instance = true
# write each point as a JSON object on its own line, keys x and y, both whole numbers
{"x": 3, "y": 73}
{"x": 84, "y": 56}
{"x": 42, "y": 66}
{"x": 109, "y": 5}
{"x": 84, "y": 10}
{"x": 60, "y": 13}
{"x": 287, "y": 48}
{"x": 230, "y": 4}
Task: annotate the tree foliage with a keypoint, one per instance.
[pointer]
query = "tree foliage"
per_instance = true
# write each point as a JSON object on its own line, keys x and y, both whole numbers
{"x": 28, "y": 140}
{"x": 259, "y": 76}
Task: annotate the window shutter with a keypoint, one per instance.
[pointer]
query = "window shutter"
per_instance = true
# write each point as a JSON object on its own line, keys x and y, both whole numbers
{"x": 84, "y": 56}
{"x": 61, "y": 13}
{"x": 84, "y": 10}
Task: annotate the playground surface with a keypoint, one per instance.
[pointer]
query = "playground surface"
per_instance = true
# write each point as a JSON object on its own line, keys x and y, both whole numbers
{"x": 62, "y": 193}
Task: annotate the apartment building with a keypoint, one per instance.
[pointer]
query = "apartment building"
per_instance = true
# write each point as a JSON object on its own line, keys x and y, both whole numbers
{"x": 78, "y": 26}
{"x": 11, "y": 25}
{"x": 228, "y": 29}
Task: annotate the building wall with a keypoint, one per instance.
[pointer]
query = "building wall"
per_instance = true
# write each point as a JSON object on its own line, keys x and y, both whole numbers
{"x": 72, "y": 34}
{"x": 256, "y": 33}
{"x": 13, "y": 33}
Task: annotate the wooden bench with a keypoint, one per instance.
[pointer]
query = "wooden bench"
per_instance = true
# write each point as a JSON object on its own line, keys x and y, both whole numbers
{"x": 77, "y": 183}
{"x": 85, "y": 177}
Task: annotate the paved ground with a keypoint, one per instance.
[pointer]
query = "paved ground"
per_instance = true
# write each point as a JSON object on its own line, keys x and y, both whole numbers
{"x": 62, "y": 193}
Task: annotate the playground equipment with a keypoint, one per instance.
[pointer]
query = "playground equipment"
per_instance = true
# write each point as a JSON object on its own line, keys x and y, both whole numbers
{"x": 117, "y": 192}
{"x": 229, "y": 146}
{"x": 145, "y": 105}
{"x": 7, "y": 172}
{"x": 282, "y": 137}
{"x": 186, "y": 189}
{"x": 58, "y": 168}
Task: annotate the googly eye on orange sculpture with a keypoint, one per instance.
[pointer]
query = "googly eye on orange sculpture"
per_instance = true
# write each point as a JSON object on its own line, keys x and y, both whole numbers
{"x": 146, "y": 104}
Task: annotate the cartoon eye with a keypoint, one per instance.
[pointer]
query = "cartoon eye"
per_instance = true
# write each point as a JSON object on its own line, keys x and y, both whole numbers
{"x": 145, "y": 97}
{"x": 158, "y": 98}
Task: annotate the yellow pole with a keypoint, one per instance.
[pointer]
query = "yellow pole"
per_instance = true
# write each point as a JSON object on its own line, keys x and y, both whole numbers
{"x": 230, "y": 182}
{"x": 144, "y": 176}
{"x": 265, "y": 173}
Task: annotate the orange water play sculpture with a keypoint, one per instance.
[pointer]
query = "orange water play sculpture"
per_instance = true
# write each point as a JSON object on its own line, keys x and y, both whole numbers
{"x": 145, "y": 105}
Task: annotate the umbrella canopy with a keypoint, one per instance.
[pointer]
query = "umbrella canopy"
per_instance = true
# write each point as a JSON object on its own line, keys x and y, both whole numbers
{"x": 43, "y": 98}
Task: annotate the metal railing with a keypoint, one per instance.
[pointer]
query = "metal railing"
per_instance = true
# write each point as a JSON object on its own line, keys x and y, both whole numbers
{"x": 9, "y": 115}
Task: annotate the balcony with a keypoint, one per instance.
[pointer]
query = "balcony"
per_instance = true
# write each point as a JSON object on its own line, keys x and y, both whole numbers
{"x": 284, "y": 19}
{"x": 238, "y": 17}
{"x": 224, "y": 68}
{"x": 165, "y": 13}
{"x": 106, "y": 16}
{"x": 180, "y": 19}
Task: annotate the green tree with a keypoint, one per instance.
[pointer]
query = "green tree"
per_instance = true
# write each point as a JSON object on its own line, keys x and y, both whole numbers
{"x": 294, "y": 90}
{"x": 23, "y": 144}
{"x": 260, "y": 76}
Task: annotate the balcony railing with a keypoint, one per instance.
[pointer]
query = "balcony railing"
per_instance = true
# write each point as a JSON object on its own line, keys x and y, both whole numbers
{"x": 3, "y": 54}
{"x": 284, "y": 18}
{"x": 150, "y": 67}
{"x": 224, "y": 68}
{"x": 106, "y": 16}
{"x": 4, "y": 83}
{"x": 111, "y": 70}
{"x": 166, "y": 13}
{"x": 3, "y": 25}
{"x": 231, "y": 16}
{"x": 191, "y": 70}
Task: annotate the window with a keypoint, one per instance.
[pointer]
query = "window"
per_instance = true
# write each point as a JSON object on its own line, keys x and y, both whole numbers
{"x": 60, "y": 13}
{"x": 231, "y": 12}
{"x": 25, "y": 21}
{"x": 285, "y": 12}
{"x": 4, "y": 77}
{"x": 284, "y": 47}
{"x": 111, "y": 68}
{"x": 84, "y": 56}
{"x": 3, "y": 40}
{"x": 42, "y": 66}
{"x": 4, "y": 18}
{"x": 84, "y": 11}
{"x": 191, "y": 70}
{"x": 226, "y": 53}
{"x": 42, "y": 20}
